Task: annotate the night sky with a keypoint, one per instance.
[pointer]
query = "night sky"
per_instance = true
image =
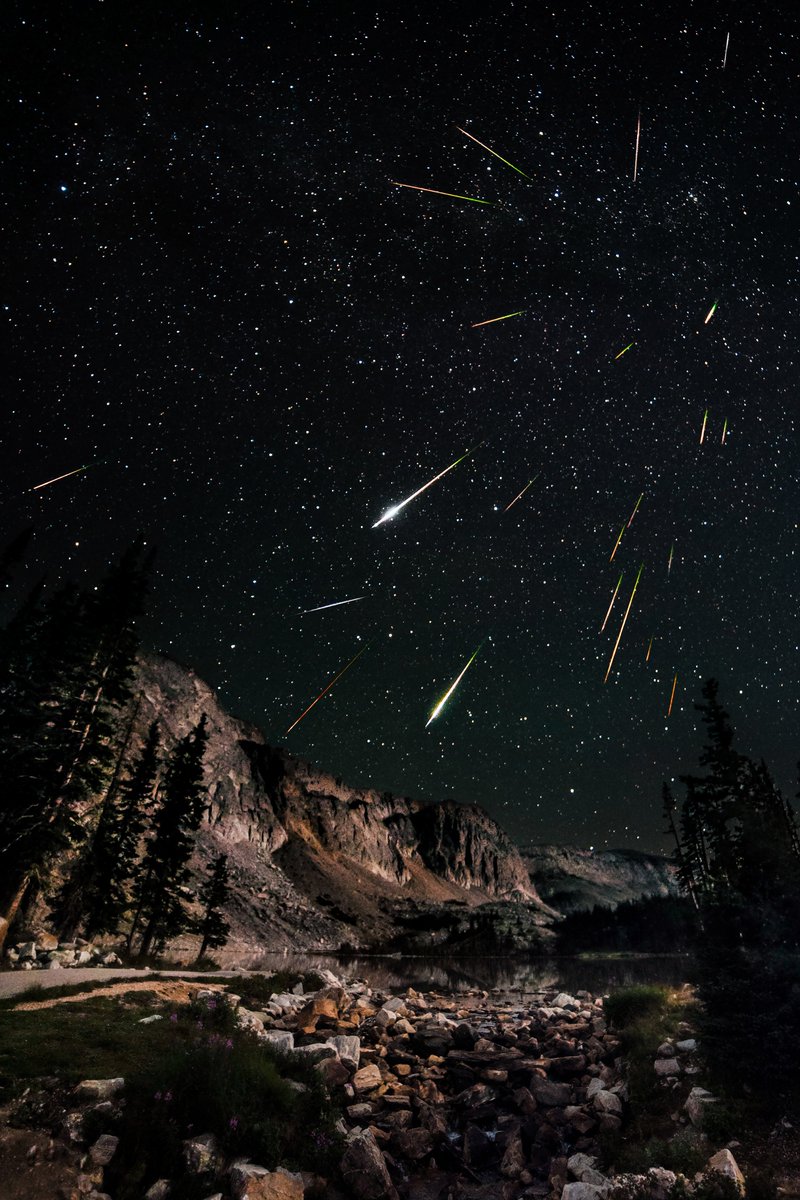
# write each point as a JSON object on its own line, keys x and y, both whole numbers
{"x": 213, "y": 287}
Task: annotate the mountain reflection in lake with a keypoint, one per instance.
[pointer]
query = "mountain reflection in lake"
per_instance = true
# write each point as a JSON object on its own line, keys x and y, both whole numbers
{"x": 595, "y": 975}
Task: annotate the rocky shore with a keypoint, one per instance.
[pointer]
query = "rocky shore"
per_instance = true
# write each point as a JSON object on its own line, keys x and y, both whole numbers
{"x": 475, "y": 1096}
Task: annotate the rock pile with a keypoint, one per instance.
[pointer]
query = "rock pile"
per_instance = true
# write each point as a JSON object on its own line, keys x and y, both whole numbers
{"x": 46, "y": 953}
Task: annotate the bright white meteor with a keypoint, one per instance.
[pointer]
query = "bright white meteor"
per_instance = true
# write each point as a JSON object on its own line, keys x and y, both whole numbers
{"x": 335, "y": 604}
{"x": 451, "y": 689}
{"x": 392, "y": 512}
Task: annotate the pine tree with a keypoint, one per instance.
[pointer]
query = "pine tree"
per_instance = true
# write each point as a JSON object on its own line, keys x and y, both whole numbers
{"x": 212, "y": 927}
{"x": 161, "y": 910}
{"x": 65, "y": 669}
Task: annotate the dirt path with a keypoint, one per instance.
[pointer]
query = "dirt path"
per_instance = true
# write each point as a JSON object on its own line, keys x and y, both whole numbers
{"x": 177, "y": 991}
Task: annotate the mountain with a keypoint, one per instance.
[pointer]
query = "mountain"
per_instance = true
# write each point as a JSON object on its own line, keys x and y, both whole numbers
{"x": 571, "y": 878}
{"x": 316, "y": 864}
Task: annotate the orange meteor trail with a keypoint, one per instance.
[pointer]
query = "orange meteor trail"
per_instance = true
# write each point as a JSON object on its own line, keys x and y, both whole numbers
{"x": 522, "y": 493}
{"x": 324, "y": 690}
{"x": 436, "y": 192}
{"x": 672, "y": 697}
{"x": 636, "y": 509}
{"x": 711, "y": 312}
{"x": 649, "y": 648}
{"x": 494, "y": 152}
{"x": 625, "y": 351}
{"x": 395, "y": 509}
{"x": 622, "y": 626}
{"x": 492, "y": 320}
{"x": 611, "y": 605}
{"x": 703, "y": 430}
{"x": 616, "y": 547}
{"x": 636, "y": 155}
{"x": 57, "y": 479}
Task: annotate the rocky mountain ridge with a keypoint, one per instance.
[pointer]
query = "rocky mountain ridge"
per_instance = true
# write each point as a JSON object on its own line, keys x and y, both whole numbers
{"x": 316, "y": 864}
{"x": 572, "y": 878}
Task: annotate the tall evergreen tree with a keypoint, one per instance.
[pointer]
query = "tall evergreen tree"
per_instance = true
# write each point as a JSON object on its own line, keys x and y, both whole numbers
{"x": 214, "y": 930}
{"x": 161, "y": 909}
{"x": 66, "y": 666}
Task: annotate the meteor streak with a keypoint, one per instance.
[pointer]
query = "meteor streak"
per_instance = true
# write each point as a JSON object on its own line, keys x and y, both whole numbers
{"x": 435, "y": 192}
{"x": 616, "y": 547}
{"x": 625, "y": 351}
{"x": 392, "y": 512}
{"x": 492, "y": 320}
{"x": 711, "y": 312}
{"x": 435, "y": 712}
{"x": 671, "y": 553}
{"x": 636, "y": 155}
{"x": 66, "y": 475}
{"x": 725, "y": 55}
{"x": 494, "y": 152}
{"x": 611, "y": 605}
{"x": 622, "y": 626}
{"x": 324, "y": 690}
{"x": 672, "y": 697}
{"x": 636, "y": 509}
{"x": 335, "y": 604}
{"x": 724, "y": 430}
{"x": 703, "y": 430}
{"x": 649, "y": 648}
{"x": 522, "y": 493}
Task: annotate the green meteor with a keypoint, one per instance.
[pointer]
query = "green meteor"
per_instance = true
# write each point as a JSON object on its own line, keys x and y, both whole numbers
{"x": 435, "y": 712}
{"x": 494, "y": 152}
{"x": 625, "y": 351}
{"x": 492, "y": 320}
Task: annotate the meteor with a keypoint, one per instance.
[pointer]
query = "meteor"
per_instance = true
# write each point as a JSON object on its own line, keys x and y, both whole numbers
{"x": 522, "y": 493}
{"x": 494, "y": 152}
{"x": 324, "y": 690}
{"x": 435, "y": 192}
{"x": 636, "y": 155}
{"x": 611, "y": 605}
{"x": 622, "y": 626}
{"x": 672, "y": 697}
{"x": 724, "y": 430}
{"x": 492, "y": 320}
{"x": 636, "y": 509}
{"x": 671, "y": 553}
{"x": 703, "y": 430}
{"x": 392, "y": 512}
{"x": 66, "y": 475}
{"x": 335, "y": 604}
{"x": 725, "y": 55}
{"x": 435, "y": 712}
{"x": 616, "y": 546}
{"x": 649, "y": 648}
{"x": 625, "y": 351}
{"x": 711, "y": 312}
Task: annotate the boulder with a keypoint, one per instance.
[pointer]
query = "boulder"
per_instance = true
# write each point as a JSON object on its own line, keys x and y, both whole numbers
{"x": 696, "y": 1103}
{"x": 564, "y": 1000}
{"x": 348, "y": 1048}
{"x": 584, "y": 1191}
{"x": 251, "y": 1182}
{"x": 367, "y": 1078}
{"x": 364, "y": 1170}
{"x": 667, "y": 1066}
{"x": 687, "y": 1046}
{"x": 46, "y": 941}
{"x": 666, "y": 1050}
{"x": 607, "y": 1102}
{"x": 413, "y": 1144}
{"x": 103, "y": 1150}
{"x": 723, "y": 1163}
{"x": 201, "y": 1154}
{"x": 578, "y": 1163}
{"x": 279, "y": 1039}
{"x": 549, "y": 1094}
{"x": 98, "y": 1089}
{"x": 513, "y": 1161}
{"x": 159, "y": 1191}
{"x": 315, "y": 1052}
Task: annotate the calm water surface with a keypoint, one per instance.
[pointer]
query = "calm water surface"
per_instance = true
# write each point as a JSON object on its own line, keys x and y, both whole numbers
{"x": 596, "y": 975}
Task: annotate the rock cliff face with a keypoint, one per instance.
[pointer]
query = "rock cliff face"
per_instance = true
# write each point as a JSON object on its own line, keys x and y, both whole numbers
{"x": 571, "y": 878}
{"x": 316, "y": 864}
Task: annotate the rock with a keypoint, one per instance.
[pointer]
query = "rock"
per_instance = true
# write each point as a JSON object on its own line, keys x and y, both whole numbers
{"x": 666, "y": 1050}
{"x": 26, "y": 951}
{"x": 348, "y": 1048}
{"x": 364, "y": 1170}
{"x": 104, "y": 1149}
{"x": 662, "y": 1183}
{"x": 98, "y": 1089}
{"x": 46, "y": 941}
{"x": 584, "y": 1191}
{"x": 315, "y": 1052}
{"x": 251, "y": 1182}
{"x": 367, "y": 1078}
{"x": 513, "y": 1161}
{"x": 201, "y": 1154}
{"x": 334, "y": 1072}
{"x": 667, "y": 1066}
{"x": 150, "y": 1020}
{"x": 360, "y": 1112}
{"x": 564, "y": 1000}
{"x": 53, "y": 965}
{"x": 159, "y": 1191}
{"x": 478, "y": 1147}
{"x": 696, "y": 1102}
{"x": 279, "y": 1039}
{"x": 549, "y": 1094}
{"x": 607, "y": 1102}
{"x": 578, "y": 1163}
{"x": 413, "y": 1144}
{"x": 688, "y": 1046}
{"x": 723, "y": 1163}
